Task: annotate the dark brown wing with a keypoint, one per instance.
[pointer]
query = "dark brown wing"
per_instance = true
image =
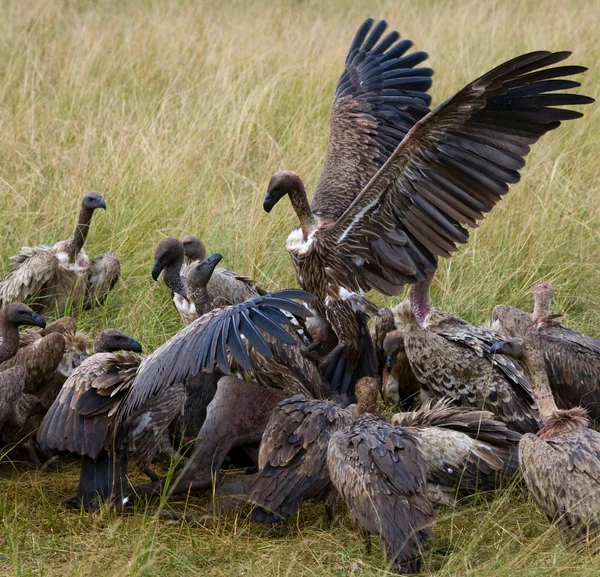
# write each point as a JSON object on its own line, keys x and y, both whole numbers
{"x": 292, "y": 456}
{"x": 378, "y": 99}
{"x": 380, "y": 473}
{"x": 205, "y": 343}
{"x": 453, "y": 167}
{"x": 40, "y": 360}
{"x": 11, "y": 387}
{"x": 80, "y": 418}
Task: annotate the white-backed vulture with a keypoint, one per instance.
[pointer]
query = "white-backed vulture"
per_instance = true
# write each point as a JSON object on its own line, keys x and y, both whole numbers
{"x": 379, "y": 472}
{"x": 49, "y": 277}
{"x": 561, "y": 464}
{"x": 394, "y": 196}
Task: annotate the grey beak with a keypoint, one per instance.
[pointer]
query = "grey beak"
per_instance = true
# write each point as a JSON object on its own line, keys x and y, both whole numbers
{"x": 269, "y": 202}
{"x": 134, "y": 346}
{"x": 102, "y": 204}
{"x": 388, "y": 361}
{"x": 38, "y": 320}
{"x": 157, "y": 269}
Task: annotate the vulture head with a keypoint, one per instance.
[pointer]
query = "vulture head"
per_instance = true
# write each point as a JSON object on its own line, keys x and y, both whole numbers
{"x": 20, "y": 315}
{"x": 193, "y": 247}
{"x": 367, "y": 391}
{"x": 515, "y": 348}
{"x": 199, "y": 276}
{"x": 111, "y": 340}
{"x": 392, "y": 345}
{"x": 92, "y": 201}
{"x": 168, "y": 254}
{"x": 282, "y": 183}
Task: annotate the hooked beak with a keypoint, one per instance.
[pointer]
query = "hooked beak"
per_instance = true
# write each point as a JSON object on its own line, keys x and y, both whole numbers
{"x": 134, "y": 346}
{"x": 388, "y": 361}
{"x": 269, "y": 202}
{"x": 213, "y": 260}
{"x": 38, "y": 320}
{"x": 102, "y": 204}
{"x": 497, "y": 347}
{"x": 157, "y": 269}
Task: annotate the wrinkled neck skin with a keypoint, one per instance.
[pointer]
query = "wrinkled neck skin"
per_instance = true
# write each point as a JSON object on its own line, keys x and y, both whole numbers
{"x": 419, "y": 299}
{"x": 541, "y": 310}
{"x": 536, "y": 367}
{"x": 301, "y": 207}
{"x": 9, "y": 339}
{"x": 77, "y": 240}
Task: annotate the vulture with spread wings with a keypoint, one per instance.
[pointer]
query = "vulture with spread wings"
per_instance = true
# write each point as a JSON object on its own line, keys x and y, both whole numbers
{"x": 380, "y": 218}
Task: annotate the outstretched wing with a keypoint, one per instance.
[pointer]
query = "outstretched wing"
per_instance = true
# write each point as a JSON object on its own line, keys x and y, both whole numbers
{"x": 453, "y": 166}
{"x": 36, "y": 268}
{"x": 205, "y": 343}
{"x": 378, "y": 99}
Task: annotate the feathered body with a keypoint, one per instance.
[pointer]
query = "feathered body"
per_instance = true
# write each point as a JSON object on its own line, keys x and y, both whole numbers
{"x": 465, "y": 451}
{"x": 380, "y": 473}
{"x": 50, "y": 277}
{"x": 292, "y": 457}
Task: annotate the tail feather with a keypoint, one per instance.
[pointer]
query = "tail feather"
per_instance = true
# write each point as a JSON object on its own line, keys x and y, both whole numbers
{"x": 102, "y": 480}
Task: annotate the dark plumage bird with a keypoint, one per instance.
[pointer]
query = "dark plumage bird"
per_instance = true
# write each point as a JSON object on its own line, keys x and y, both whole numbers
{"x": 292, "y": 457}
{"x": 561, "y": 464}
{"x": 453, "y": 358}
{"x": 465, "y": 451}
{"x": 221, "y": 338}
{"x": 380, "y": 473}
{"x": 48, "y": 277}
{"x": 12, "y": 380}
{"x": 82, "y": 419}
{"x": 391, "y": 202}
{"x": 229, "y": 287}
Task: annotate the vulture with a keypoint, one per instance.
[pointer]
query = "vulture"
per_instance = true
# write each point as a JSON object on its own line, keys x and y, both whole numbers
{"x": 219, "y": 339}
{"x": 194, "y": 249}
{"x": 465, "y": 451}
{"x": 399, "y": 383}
{"x": 400, "y": 184}
{"x": 49, "y": 277}
{"x": 81, "y": 419}
{"x": 228, "y": 286}
{"x": 12, "y": 379}
{"x": 572, "y": 359}
{"x": 561, "y": 463}
{"x": 452, "y": 358}
{"x": 292, "y": 456}
{"x": 380, "y": 473}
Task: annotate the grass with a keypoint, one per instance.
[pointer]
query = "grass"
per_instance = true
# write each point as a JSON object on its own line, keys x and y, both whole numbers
{"x": 179, "y": 112}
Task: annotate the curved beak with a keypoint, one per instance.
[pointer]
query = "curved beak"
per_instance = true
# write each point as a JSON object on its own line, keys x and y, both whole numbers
{"x": 213, "y": 260}
{"x": 38, "y": 320}
{"x": 497, "y": 347}
{"x": 102, "y": 204}
{"x": 269, "y": 202}
{"x": 388, "y": 361}
{"x": 157, "y": 269}
{"x": 134, "y": 346}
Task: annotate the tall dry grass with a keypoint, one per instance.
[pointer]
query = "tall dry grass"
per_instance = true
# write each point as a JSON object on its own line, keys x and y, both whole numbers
{"x": 179, "y": 112}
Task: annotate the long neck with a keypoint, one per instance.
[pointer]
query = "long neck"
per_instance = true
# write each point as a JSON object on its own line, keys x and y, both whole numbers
{"x": 536, "y": 367}
{"x": 299, "y": 201}
{"x": 201, "y": 300}
{"x": 173, "y": 279}
{"x": 541, "y": 309}
{"x": 9, "y": 339}
{"x": 77, "y": 240}
{"x": 419, "y": 298}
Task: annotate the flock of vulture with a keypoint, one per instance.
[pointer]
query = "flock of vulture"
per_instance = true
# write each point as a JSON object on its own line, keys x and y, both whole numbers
{"x": 290, "y": 380}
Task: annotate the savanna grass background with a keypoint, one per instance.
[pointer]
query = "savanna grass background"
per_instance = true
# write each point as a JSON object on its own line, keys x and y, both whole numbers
{"x": 179, "y": 112}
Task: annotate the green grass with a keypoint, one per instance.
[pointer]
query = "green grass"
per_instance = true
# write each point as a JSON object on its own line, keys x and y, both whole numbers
{"x": 179, "y": 112}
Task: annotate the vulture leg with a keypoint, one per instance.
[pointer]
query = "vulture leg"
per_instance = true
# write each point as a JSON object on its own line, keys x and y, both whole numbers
{"x": 103, "y": 274}
{"x": 101, "y": 480}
